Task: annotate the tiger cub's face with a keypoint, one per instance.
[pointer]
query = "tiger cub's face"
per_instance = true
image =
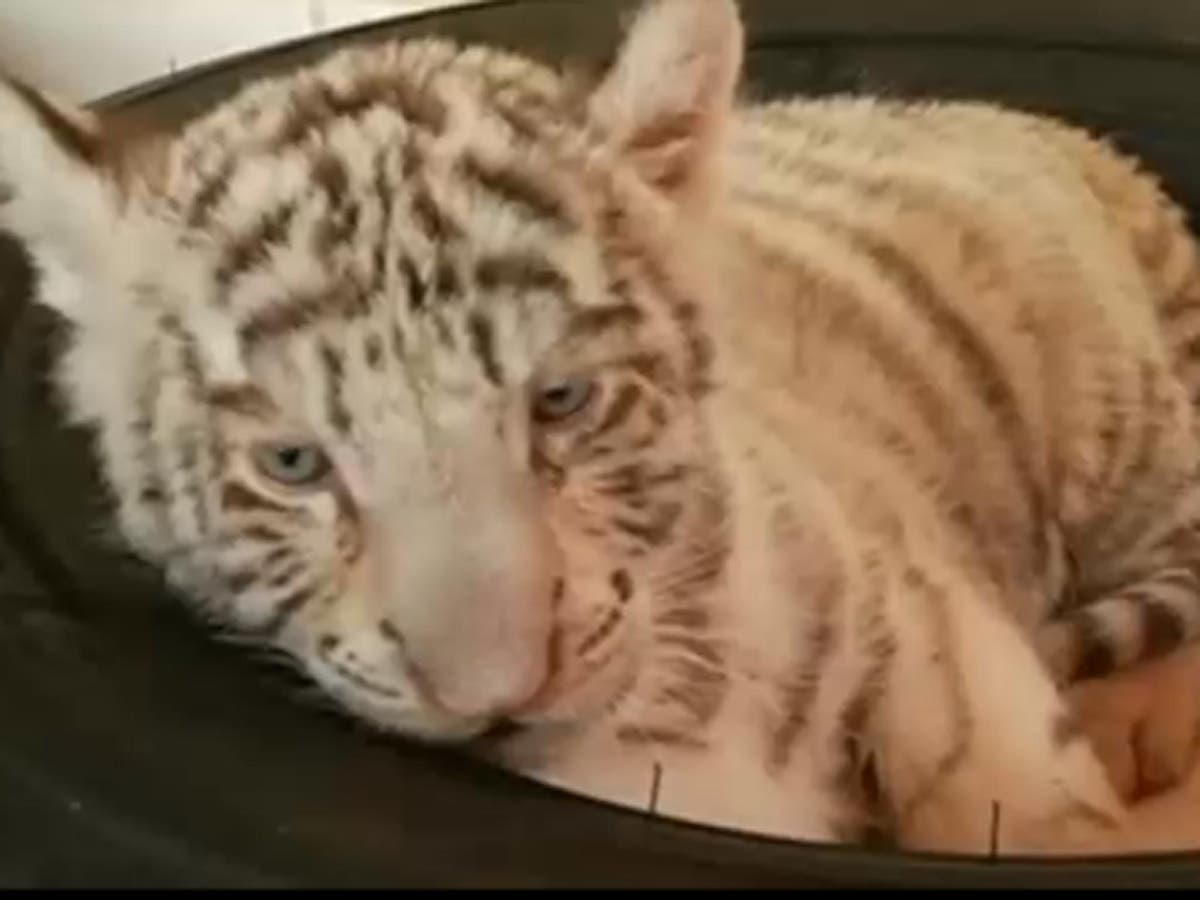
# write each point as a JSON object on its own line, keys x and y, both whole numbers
{"x": 394, "y": 365}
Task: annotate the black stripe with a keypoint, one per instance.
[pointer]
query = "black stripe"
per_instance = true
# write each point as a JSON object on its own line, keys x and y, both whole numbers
{"x": 412, "y": 159}
{"x": 185, "y": 346}
{"x": 594, "y": 321}
{"x": 236, "y": 497}
{"x": 597, "y": 637}
{"x": 276, "y": 554}
{"x": 697, "y": 688}
{"x": 1181, "y": 304}
{"x": 1095, "y": 656}
{"x": 287, "y": 573}
{"x": 335, "y": 402}
{"x": 1113, "y": 430}
{"x": 483, "y": 345}
{"x": 1189, "y": 351}
{"x": 446, "y": 282}
{"x": 622, "y": 584}
{"x": 329, "y": 173}
{"x": 552, "y": 473}
{"x": 390, "y": 632}
{"x": 373, "y": 351}
{"x": 281, "y": 319}
{"x": 1129, "y": 516}
{"x": 416, "y": 102}
{"x": 857, "y": 768}
{"x": 285, "y": 610}
{"x": 624, "y": 253}
{"x": 237, "y": 581}
{"x": 1155, "y": 408}
{"x": 384, "y": 197}
{"x": 339, "y": 224}
{"x": 327, "y": 644}
{"x": 210, "y": 193}
{"x": 656, "y": 531}
{"x": 1177, "y": 578}
{"x": 945, "y": 658}
{"x": 298, "y": 313}
{"x": 318, "y": 108}
{"x": 414, "y": 284}
{"x": 153, "y": 488}
{"x": 520, "y": 273}
{"x": 189, "y": 456}
{"x": 151, "y": 494}
{"x": 244, "y": 399}
{"x": 1065, "y": 730}
{"x": 618, "y": 411}
{"x": 635, "y": 478}
{"x": 682, "y": 582}
{"x": 699, "y": 344}
{"x": 397, "y": 341}
{"x": 435, "y": 222}
{"x": 218, "y": 451}
{"x": 188, "y": 443}
{"x": 664, "y": 737}
{"x": 441, "y": 328}
{"x": 252, "y": 248}
{"x": 338, "y": 227}
{"x": 694, "y": 645}
{"x": 516, "y": 188}
{"x": 800, "y": 692}
{"x": 260, "y": 533}
{"x": 525, "y": 125}
{"x": 311, "y": 111}
{"x": 365, "y": 684}
{"x": 1163, "y": 628}
{"x": 694, "y": 618}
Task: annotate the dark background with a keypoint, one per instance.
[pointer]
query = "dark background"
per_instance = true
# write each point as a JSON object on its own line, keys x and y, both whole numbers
{"x": 136, "y": 751}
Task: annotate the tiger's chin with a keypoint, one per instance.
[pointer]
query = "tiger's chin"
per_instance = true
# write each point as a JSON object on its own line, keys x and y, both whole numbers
{"x": 405, "y": 720}
{"x": 571, "y": 703}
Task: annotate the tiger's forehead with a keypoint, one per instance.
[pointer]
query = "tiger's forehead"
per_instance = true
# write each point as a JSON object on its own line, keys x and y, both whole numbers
{"x": 411, "y": 193}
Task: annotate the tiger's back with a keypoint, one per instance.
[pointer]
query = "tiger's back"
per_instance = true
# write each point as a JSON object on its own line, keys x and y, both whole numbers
{"x": 958, "y": 300}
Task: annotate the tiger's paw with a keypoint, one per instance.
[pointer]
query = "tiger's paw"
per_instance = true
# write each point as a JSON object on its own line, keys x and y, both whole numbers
{"x": 1144, "y": 722}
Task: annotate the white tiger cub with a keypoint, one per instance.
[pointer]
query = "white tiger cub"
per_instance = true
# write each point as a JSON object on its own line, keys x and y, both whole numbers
{"x": 771, "y": 464}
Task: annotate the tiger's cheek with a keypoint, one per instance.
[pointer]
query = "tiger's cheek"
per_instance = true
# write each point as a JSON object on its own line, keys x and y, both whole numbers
{"x": 350, "y": 538}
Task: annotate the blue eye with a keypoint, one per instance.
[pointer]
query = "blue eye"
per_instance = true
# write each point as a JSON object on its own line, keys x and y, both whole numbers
{"x": 563, "y": 399}
{"x": 292, "y": 465}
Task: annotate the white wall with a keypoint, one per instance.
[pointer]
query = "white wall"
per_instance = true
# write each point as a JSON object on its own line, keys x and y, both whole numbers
{"x": 83, "y": 49}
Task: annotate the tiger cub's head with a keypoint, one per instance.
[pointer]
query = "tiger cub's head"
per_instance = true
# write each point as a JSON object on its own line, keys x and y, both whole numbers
{"x": 394, "y": 362}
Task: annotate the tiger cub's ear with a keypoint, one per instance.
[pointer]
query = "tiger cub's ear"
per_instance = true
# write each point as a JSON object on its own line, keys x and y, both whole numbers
{"x": 54, "y": 193}
{"x": 666, "y": 100}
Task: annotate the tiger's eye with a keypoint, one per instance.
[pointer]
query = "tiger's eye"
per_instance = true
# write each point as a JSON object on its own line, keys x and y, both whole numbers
{"x": 561, "y": 400}
{"x": 292, "y": 465}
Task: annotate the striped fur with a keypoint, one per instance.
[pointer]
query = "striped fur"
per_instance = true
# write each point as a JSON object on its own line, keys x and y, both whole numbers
{"x": 886, "y": 431}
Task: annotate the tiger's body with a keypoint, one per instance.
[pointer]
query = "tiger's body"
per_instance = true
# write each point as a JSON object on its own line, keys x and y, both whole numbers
{"x": 952, "y": 399}
{"x": 794, "y": 456}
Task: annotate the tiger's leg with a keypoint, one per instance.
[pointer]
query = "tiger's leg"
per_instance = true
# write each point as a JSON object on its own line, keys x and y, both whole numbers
{"x": 974, "y": 747}
{"x": 1132, "y": 666}
{"x": 1144, "y": 722}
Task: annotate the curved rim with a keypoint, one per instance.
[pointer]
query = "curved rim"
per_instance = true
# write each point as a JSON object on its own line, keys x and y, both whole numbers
{"x": 1154, "y": 27}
